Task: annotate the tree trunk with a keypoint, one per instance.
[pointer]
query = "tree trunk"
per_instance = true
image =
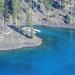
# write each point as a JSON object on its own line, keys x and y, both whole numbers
{"x": 14, "y": 20}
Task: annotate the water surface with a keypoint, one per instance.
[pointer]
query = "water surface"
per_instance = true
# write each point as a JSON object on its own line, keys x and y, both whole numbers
{"x": 56, "y": 55}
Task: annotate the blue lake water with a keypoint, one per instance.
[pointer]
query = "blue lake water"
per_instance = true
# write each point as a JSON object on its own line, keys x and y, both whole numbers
{"x": 56, "y": 55}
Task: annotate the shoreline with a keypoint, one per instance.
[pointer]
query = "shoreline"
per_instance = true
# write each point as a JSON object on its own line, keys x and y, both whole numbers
{"x": 22, "y": 45}
{"x": 57, "y": 25}
{"x": 16, "y": 41}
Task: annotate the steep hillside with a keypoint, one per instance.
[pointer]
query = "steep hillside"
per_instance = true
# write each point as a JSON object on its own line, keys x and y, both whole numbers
{"x": 48, "y": 12}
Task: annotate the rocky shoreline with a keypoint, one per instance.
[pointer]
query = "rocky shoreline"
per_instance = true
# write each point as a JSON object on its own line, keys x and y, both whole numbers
{"x": 58, "y": 25}
{"x": 40, "y": 15}
{"x": 22, "y": 45}
{"x": 14, "y": 40}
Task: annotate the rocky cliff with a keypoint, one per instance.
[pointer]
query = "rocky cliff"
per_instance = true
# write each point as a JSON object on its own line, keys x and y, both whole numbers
{"x": 44, "y": 12}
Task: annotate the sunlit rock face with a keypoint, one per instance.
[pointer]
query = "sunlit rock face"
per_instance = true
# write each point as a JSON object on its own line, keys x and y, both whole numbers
{"x": 40, "y": 9}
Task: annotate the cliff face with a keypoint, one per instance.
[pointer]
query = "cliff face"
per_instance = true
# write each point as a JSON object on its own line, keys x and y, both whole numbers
{"x": 46, "y": 12}
{"x": 52, "y": 12}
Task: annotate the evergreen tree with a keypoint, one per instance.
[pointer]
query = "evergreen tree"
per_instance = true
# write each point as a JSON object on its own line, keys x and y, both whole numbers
{"x": 47, "y": 3}
{"x": 2, "y": 5}
{"x": 29, "y": 18}
{"x": 16, "y": 8}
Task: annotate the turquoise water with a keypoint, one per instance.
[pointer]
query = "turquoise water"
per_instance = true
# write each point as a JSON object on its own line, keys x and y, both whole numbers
{"x": 56, "y": 55}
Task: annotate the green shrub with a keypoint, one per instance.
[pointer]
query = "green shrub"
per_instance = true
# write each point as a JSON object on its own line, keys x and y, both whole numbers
{"x": 47, "y": 4}
{"x": 2, "y": 5}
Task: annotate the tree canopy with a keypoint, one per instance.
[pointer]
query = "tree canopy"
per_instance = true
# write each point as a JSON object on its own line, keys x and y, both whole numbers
{"x": 16, "y": 6}
{"x": 1, "y": 5}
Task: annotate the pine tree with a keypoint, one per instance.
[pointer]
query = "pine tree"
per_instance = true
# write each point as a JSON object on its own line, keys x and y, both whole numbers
{"x": 29, "y": 18}
{"x": 16, "y": 8}
{"x": 47, "y": 3}
{"x": 1, "y": 5}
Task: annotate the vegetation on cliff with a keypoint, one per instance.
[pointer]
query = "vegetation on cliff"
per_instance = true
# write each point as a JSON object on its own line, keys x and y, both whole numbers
{"x": 12, "y": 9}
